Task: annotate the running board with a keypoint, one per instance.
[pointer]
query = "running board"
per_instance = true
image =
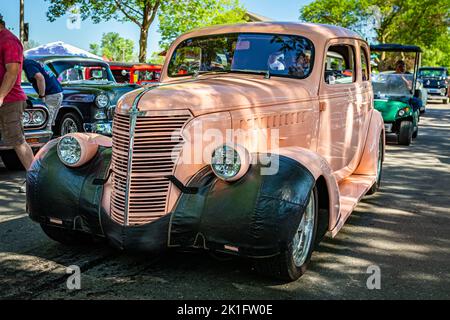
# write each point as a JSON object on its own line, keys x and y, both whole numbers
{"x": 351, "y": 190}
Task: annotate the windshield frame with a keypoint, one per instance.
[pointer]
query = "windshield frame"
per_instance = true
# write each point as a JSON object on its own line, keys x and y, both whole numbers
{"x": 52, "y": 64}
{"x": 443, "y": 72}
{"x": 242, "y": 71}
{"x": 408, "y": 93}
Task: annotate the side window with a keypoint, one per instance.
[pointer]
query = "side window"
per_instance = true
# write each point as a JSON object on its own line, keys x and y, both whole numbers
{"x": 340, "y": 65}
{"x": 364, "y": 65}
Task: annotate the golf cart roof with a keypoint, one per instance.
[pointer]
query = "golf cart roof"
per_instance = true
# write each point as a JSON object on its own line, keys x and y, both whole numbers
{"x": 394, "y": 48}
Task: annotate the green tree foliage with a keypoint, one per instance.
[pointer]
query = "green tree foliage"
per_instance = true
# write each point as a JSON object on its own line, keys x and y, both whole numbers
{"x": 181, "y": 16}
{"x": 421, "y": 22}
{"x": 140, "y": 12}
{"x": 114, "y": 47}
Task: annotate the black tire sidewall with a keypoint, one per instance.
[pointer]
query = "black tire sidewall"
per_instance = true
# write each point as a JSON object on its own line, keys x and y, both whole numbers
{"x": 72, "y": 116}
{"x": 402, "y": 139}
{"x": 11, "y": 160}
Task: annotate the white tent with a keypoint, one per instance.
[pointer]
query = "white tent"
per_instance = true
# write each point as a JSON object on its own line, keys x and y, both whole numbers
{"x": 59, "y": 48}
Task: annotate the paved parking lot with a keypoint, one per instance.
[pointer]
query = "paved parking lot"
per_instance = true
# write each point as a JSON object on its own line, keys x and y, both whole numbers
{"x": 404, "y": 229}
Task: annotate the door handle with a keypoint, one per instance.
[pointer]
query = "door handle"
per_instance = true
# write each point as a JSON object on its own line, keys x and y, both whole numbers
{"x": 322, "y": 106}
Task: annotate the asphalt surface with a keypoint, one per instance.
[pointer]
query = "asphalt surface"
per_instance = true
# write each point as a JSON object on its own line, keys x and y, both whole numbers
{"x": 404, "y": 230}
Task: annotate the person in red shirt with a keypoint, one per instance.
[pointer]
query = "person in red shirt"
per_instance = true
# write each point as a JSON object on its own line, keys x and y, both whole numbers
{"x": 12, "y": 97}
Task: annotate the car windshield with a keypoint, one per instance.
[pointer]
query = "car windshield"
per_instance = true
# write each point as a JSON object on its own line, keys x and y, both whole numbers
{"x": 82, "y": 72}
{"x": 392, "y": 85}
{"x": 277, "y": 55}
{"x": 432, "y": 73}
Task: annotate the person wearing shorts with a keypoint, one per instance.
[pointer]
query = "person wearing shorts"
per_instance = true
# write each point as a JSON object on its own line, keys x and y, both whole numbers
{"x": 12, "y": 97}
{"x": 46, "y": 85}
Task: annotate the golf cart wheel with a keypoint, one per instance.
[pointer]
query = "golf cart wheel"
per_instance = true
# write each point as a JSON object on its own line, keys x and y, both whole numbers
{"x": 70, "y": 123}
{"x": 292, "y": 263}
{"x": 405, "y": 133}
{"x": 11, "y": 160}
{"x": 67, "y": 237}
{"x": 376, "y": 186}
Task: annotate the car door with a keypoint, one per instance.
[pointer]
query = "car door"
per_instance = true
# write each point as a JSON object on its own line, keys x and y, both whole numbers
{"x": 363, "y": 103}
{"x": 338, "y": 97}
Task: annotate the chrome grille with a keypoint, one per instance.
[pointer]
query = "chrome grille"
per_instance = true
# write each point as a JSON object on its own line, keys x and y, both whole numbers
{"x": 153, "y": 149}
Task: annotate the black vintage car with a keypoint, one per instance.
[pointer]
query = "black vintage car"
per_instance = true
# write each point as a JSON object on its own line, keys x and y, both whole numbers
{"x": 90, "y": 94}
{"x": 35, "y": 120}
{"x": 436, "y": 81}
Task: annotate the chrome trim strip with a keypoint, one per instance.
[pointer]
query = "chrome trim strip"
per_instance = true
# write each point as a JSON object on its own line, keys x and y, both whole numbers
{"x": 134, "y": 113}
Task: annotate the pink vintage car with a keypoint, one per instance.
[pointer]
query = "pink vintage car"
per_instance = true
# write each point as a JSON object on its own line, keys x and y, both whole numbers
{"x": 259, "y": 140}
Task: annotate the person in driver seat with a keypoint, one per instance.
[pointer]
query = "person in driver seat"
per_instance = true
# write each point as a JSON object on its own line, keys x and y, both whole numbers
{"x": 400, "y": 68}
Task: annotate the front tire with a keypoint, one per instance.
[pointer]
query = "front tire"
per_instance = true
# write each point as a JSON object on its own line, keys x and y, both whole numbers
{"x": 11, "y": 160}
{"x": 67, "y": 237}
{"x": 405, "y": 133}
{"x": 70, "y": 123}
{"x": 292, "y": 263}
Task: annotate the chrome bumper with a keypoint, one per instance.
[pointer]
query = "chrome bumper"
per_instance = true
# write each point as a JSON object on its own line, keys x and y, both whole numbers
{"x": 35, "y": 138}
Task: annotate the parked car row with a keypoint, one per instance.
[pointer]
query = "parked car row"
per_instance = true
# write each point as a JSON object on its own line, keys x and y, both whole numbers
{"x": 90, "y": 94}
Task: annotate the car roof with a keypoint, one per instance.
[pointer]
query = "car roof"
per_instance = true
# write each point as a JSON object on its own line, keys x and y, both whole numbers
{"x": 394, "y": 47}
{"x": 309, "y": 30}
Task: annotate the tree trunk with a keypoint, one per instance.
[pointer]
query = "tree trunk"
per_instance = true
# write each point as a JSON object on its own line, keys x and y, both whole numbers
{"x": 143, "y": 44}
{"x": 22, "y": 22}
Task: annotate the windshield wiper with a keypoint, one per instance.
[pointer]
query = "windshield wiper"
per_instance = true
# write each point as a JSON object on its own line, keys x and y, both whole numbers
{"x": 199, "y": 73}
{"x": 266, "y": 73}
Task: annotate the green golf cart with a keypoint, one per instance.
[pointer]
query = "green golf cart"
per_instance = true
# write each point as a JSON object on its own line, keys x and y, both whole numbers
{"x": 396, "y": 91}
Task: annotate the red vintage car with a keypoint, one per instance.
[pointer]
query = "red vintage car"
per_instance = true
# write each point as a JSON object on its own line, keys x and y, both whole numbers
{"x": 139, "y": 73}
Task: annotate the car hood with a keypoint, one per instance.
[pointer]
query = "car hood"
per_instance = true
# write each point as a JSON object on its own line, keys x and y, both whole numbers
{"x": 221, "y": 93}
{"x": 114, "y": 91}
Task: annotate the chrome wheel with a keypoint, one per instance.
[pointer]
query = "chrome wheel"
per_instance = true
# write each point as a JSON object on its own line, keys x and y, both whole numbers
{"x": 68, "y": 126}
{"x": 303, "y": 238}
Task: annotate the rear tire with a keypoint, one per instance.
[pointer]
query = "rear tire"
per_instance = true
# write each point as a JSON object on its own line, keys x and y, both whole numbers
{"x": 67, "y": 237}
{"x": 11, "y": 160}
{"x": 291, "y": 264}
{"x": 376, "y": 186}
{"x": 405, "y": 133}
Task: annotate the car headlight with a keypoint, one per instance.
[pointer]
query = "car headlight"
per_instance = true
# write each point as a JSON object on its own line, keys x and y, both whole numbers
{"x": 69, "y": 150}
{"x": 443, "y": 90}
{"x": 76, "y": 149}
{"x": 38, "y": 117}
{"x": 230, "y": 163}
{"x": 401, "y": 113}
{"x": 102, "y": 101}
{"x": 26, "y": 118}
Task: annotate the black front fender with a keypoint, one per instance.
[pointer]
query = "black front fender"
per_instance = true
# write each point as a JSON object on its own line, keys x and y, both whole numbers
{"x": 256, "y": 216}
{"x": 67, "y": 194}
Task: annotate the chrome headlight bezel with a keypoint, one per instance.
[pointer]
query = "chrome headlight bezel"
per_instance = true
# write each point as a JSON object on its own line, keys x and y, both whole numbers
{"x": 69, "y": 150}
{"x": 35, "y": 120}
{"x": 401, "y": 112}
{"x": 230, "y": 162}
{"x": 102, "y": 101}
